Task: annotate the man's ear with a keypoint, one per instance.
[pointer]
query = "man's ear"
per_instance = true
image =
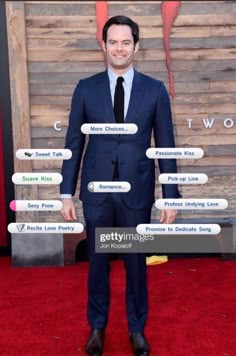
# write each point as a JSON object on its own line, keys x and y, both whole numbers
{"x": 136, "y": 47}
{"x": 104, "y": 46}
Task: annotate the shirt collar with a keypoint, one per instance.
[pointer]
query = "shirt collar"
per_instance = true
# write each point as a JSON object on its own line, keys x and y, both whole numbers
{"x": 128, "y": 76}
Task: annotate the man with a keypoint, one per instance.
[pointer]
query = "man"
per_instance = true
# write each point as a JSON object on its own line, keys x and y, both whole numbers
{"x": 135, "y": 98}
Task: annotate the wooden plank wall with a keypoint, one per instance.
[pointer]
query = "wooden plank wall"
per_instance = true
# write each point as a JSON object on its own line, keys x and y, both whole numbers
{"x": 61, "y": 48}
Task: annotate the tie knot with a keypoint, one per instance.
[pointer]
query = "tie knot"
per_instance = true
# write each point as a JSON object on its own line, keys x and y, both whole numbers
{"x": 120, "y": 80}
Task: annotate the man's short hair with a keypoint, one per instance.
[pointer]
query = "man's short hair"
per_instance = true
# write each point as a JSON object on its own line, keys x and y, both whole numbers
{"x": 121, "y": 20}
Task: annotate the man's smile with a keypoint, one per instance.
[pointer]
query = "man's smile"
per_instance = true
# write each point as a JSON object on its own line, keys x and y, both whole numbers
{"x": 119, "y": 56}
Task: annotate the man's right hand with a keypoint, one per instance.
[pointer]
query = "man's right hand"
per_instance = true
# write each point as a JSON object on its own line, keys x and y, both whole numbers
{"x": 68, "y": 210}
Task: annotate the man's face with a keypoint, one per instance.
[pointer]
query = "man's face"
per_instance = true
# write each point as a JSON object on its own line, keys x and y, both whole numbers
{"x": 120, "y": 48}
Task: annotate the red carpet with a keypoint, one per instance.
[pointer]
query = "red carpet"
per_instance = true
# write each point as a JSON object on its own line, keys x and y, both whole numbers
{"x": 192, "y": 309}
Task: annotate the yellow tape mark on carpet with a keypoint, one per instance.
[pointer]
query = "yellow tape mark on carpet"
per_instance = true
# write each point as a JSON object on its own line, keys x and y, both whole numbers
{"x": 155, "y": 260}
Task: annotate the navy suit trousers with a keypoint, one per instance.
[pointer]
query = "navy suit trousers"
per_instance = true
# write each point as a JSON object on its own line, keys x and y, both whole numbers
{"x": 113, "y": 213}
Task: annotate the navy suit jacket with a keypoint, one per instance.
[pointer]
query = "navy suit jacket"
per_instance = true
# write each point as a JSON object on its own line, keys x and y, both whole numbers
{"x": 149, "y": 108}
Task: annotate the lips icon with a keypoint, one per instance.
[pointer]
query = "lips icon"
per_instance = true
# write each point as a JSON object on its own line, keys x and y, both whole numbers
{"x": 28, "y": 154}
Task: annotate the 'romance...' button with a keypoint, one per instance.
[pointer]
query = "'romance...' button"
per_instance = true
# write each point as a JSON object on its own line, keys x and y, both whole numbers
{"x": 109, "y": 187}
{"x": 183, "y": 178}
{"x": 27, "y": 154}
{"x": 114, "y": 129}
{"x": 37, "y": 178}
{"x": 163, "y": 153}
{"x": 45, "y": 228}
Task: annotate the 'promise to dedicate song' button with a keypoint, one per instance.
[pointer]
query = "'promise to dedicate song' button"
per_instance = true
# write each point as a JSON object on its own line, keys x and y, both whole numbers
{"x": 114, "y": 129}
{"x": 178, "y": 229}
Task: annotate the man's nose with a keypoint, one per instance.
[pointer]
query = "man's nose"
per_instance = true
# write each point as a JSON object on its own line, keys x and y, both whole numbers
{"x": 119, "y": 47}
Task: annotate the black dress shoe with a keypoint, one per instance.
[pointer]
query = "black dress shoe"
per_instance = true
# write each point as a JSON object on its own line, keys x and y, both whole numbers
{"x": 139, "y": 344}
{"x": 95, "y": 343}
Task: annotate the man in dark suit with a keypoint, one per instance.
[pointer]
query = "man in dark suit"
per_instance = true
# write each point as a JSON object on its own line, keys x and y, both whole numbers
{"x": 120, "y": 94}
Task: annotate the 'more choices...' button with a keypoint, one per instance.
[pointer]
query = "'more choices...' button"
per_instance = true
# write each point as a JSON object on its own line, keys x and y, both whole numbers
{"x": 106, "y": 129}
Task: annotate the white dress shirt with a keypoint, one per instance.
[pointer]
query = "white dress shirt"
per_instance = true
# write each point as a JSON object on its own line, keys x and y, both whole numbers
{"x": 127, "y": 85}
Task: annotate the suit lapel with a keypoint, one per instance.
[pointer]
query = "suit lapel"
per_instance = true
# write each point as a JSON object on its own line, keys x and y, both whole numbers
{"x": 136, "y": 97}
{"x": 104, "y": 97}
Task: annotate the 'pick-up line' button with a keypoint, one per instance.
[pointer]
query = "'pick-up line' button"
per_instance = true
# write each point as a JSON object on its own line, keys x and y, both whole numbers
{"x": 183, "y": 178}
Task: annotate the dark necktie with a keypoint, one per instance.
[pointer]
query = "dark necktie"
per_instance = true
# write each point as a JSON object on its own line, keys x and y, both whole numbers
{"x": 119, "y": 101}
{"x": 119, "y": 112}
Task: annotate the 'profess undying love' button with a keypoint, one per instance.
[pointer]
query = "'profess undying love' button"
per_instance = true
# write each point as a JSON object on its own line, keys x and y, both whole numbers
{"x": 183, "y": 178}
{"x": 37, "y": 178}
{"x": 191, "y": 204}
{"x": 114, "y": 129}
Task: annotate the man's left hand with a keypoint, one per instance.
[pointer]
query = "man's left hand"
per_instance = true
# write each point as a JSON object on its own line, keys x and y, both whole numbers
{"x": 168, "y": 216}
